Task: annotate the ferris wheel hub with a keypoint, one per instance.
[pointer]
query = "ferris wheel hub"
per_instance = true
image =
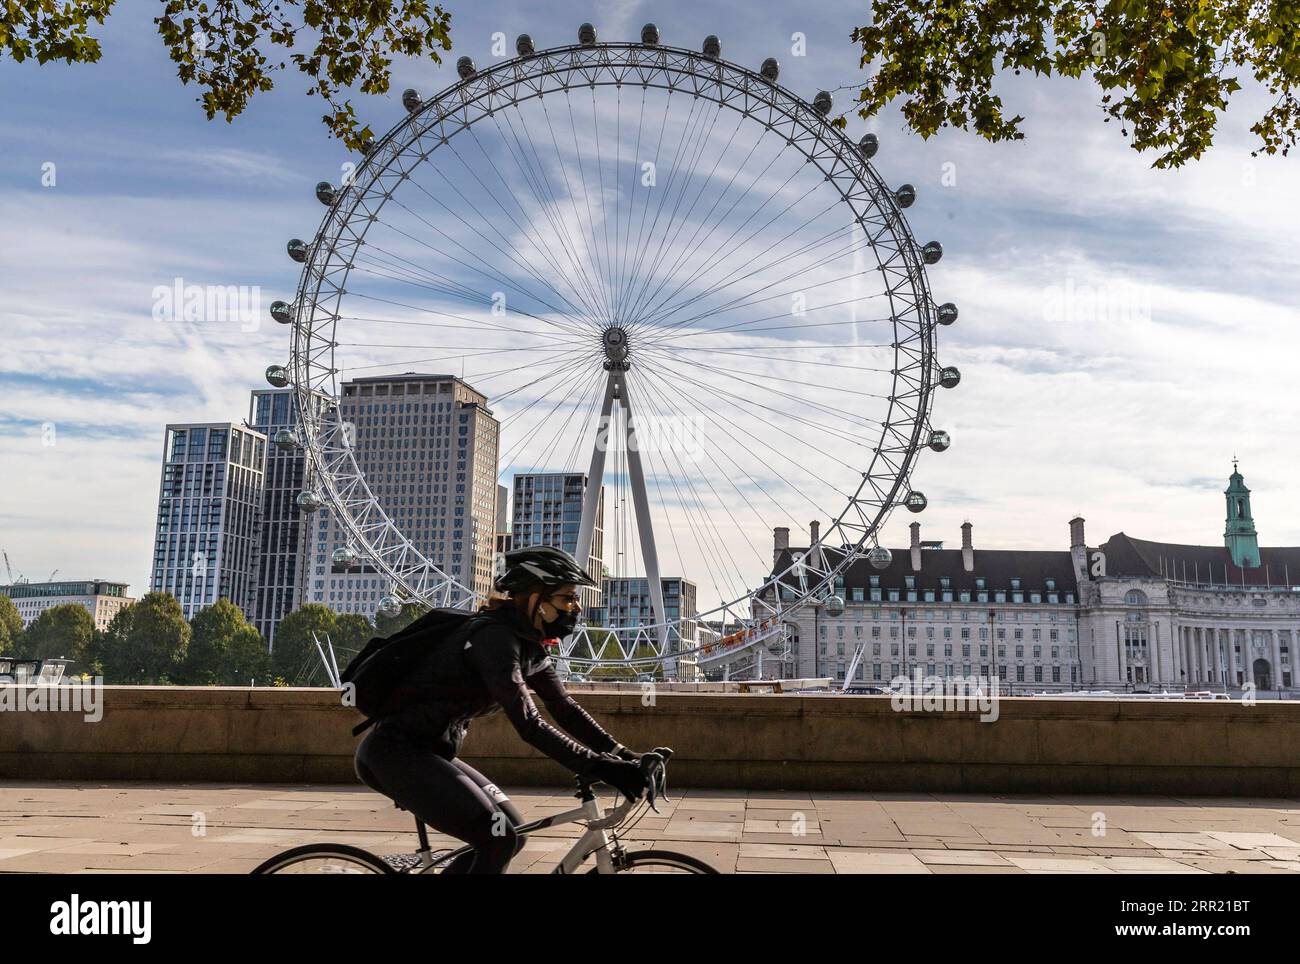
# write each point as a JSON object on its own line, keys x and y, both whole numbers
{"x": 614, "y": 340}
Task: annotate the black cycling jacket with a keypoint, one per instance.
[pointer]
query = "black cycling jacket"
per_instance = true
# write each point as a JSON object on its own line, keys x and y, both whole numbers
{"x": 492, "y": 668}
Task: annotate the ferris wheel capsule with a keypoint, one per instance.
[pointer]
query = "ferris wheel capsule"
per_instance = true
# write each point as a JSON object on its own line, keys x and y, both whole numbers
{"x": 309, "y": 500}
{"x": 770, "y": 70}
{"x": 650, "y": 35}
{"x": 411, "y": 100}
{"x": 949, "y": 377}
{"x": 916, "y": 501}
{"x": 286, "y": 439}
{"x": 822, "y": 102}
{"x": 939, "y": 440}
{"x": 276, "y": 376}
{"x": 524, "y": 45}
{"x": 587, "y": 35}
{"x": 868, "y": 144}
{"x": 834, "y": 605}
{"x": 326, "y": 193}
{"x": 282, "y": 312}
{"x": 905, "y": 195}
{"x": 465, "y": 68}
{"x": 932, "y": 252}
{"x": 390, "y": 607}
{"x": 345, "y": 557}
{"x": 712, "y": 47}
{"x": 947, "y": 313}
{"x": 880, "y": 557}
{"x": 298, "y": 250}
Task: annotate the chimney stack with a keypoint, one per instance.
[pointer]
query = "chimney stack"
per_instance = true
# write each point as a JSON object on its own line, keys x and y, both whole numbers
{"x": 1078, "y": 550}
{"x": 916, "y": 546}
{"x": 814, "y": 532}
{"x": 967, "y": 548}
{"x": 780, "y": 543}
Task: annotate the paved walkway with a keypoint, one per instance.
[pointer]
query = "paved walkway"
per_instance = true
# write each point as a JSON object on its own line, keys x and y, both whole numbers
{"x": 224, "y": 828}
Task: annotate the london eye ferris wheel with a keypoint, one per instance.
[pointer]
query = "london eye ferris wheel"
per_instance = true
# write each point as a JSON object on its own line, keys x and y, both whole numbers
{"x": 665, "y": 271}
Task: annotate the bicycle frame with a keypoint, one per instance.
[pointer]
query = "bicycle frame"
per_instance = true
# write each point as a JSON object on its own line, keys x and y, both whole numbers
{"x": 596, "y": 839}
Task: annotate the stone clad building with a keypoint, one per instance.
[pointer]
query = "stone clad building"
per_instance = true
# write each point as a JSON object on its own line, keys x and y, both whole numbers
{"x": 1165, "y": 615}
{"x": 1126, "y": 614}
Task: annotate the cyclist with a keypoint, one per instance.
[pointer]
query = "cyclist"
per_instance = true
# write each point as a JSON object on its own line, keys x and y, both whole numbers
{"x": 411, "y": 756}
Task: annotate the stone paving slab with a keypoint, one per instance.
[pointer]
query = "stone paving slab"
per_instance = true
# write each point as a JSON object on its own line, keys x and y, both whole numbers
{"x": 231, "y": 828}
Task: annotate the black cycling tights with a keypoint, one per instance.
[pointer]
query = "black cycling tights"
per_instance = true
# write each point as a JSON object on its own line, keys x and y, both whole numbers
{"x": 448, "y": 795}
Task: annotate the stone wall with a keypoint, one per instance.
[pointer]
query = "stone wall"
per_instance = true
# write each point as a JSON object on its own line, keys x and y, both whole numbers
{"x": 790, "y": 742}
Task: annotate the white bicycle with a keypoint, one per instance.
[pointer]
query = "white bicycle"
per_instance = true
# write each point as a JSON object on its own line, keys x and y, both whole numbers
{"x": 600, "y": 839}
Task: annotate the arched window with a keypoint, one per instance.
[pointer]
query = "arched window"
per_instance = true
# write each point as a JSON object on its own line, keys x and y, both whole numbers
{"x": 1135, "y": 597}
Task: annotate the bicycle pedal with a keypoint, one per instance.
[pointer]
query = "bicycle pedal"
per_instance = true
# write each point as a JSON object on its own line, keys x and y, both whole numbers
{"x": 402, "y": 862}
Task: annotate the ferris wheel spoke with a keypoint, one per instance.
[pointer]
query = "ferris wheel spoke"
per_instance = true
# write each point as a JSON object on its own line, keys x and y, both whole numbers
{"x": 681, "y": 180}
{"x": 519, "y": 258}
{"x": 576, "y": 385}
{"x": 657, "y": 303}
{"x": 523, "y": 228}
{"x": 703, "y": 521}
{"x": 589, "y": 245}
{"x": 631, "y": 259}
{"x": 736, "y": 431}
{"x": 409, "y": 268}
{"x": 493, "y": 273}
{"x": 586, "y": 200}
{"x": 531, "y": 172}
{"x": 672, "y": 230}
{"x": 806, "y": 383}
{"x": 431, "y": 312}
{"x": 674, "y": 330}
{"x": 666, "y": 306}
{"x": 746, "y": 405}
{"x": 660, "y": 387}
{"x": 727, "y": 249}
{"x": 425, "y": 309}
{"x": 800, "y": 272}
{"x": 645, "y": 234}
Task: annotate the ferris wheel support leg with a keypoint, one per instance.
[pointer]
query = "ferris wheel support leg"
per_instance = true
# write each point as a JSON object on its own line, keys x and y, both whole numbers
{"x": 646, "y": 531}
{"x": 595, "y": 476}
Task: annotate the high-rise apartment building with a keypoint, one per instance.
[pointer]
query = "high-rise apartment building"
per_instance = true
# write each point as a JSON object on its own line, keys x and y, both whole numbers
{"x": 209, "y": 515}
{"x": 547, "y": 510}
{"x": 282, "y": 552}
{"x": 427, "y": 445}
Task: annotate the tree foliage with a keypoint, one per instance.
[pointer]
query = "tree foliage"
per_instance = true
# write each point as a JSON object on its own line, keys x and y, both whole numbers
{"x": 145, "y": 642}
{"x": 294, "y": 656}
{"x": 1166, "y": 67}
{"x": 224, "y": 650}
{"x": 65, "y": 631}
{"x": 11, "y": 627}
{"x": 233, "y": 48}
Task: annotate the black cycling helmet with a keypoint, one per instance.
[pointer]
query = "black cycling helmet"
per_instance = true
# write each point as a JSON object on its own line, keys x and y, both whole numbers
{"x": 540, "y": 565}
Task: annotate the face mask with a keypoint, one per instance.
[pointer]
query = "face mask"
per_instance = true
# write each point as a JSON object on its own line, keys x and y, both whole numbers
{"x": 561, "y": 626}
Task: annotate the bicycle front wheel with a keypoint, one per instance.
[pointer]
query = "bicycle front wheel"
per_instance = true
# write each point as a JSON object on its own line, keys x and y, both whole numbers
{"x": 325, "y": 859}
{"x": 659, "y": 862}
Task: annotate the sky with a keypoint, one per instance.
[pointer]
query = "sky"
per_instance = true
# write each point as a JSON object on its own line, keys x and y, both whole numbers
{"x": 1124, "y": 332}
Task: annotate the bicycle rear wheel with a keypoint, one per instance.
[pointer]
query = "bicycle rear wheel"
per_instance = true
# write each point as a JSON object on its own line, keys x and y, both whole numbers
{"x": 325, "y": 859}
{"x": 660, "y": 862}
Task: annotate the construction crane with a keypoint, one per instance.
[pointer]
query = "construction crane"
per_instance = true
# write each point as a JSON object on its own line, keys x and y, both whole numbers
{"x": 52, "y": 575}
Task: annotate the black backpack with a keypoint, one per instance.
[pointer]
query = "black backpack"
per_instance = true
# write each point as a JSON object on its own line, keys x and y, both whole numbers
{"x": 376, "y": 674}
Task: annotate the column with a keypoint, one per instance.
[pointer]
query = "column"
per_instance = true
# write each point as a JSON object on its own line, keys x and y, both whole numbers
{"x": 1220, "y": 660}
{"x": 1175, "y": 647}
{"x": 1153, "y": 647}
{"x": 1277, "y": 658}
{"x": 1122, "y": 669}
{"x": 1232, "y": 657}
